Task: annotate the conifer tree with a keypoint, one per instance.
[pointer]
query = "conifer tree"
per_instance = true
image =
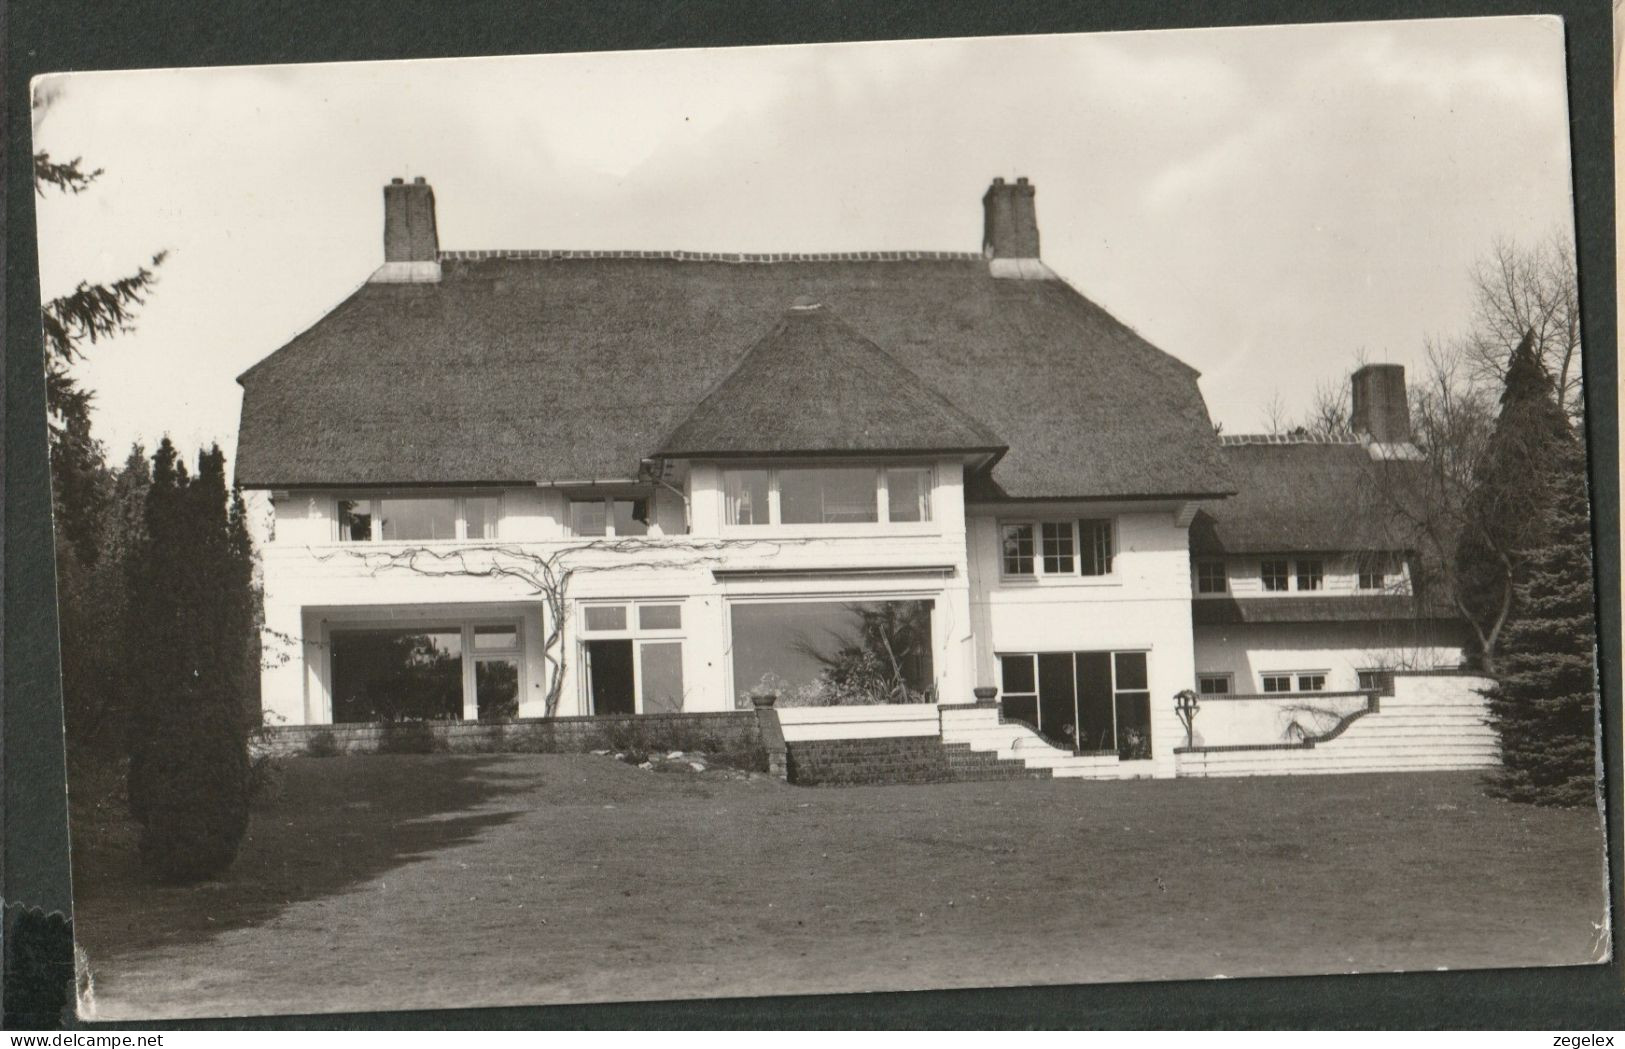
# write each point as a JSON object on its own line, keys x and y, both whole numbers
{"x": 1510, "y": 496}
{"x": 190, "y": 616}
{"x": 1544, "y": 703}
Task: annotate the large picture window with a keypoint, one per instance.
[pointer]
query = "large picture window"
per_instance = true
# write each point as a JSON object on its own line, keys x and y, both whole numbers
{"x": 417, "y": 519}
{"x": 828, "y": 653}
{"x": 430, "y": 673}
{"x": 826, "y": 495}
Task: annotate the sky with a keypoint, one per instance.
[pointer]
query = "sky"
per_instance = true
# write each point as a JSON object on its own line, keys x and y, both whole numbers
{"x": 1263, "y": 203}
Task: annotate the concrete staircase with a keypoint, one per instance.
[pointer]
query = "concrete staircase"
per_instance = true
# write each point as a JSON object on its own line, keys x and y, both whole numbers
{"x": 1423, "y": 727}
{"x": 979, "y": 730}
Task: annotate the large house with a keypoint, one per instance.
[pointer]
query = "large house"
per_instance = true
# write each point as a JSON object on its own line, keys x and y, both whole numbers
{"x": 544, "y": 483}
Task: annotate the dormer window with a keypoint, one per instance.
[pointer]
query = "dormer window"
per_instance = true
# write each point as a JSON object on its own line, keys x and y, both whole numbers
{"x": 1311, "y": 575}
{"x": 826, "y": 495}
{"x": 1210, "y": 577}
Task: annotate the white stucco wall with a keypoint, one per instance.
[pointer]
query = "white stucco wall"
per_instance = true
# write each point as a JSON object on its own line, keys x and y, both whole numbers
{"x": 1144, "y": 605}
{"x": 1339, "y": 650}
{"x": 314, "y": 584}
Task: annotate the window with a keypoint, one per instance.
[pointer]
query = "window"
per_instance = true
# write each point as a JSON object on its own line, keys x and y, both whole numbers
{"x": 1311, "y": 682}
{"x": 1094, "y": 702}
{"x": 1018, "y": 549}
{"x": 418, "y": 519}
{"x": 430, "y": 673}
{"x": 1379, "y": 681}
{"x": 1210, "y": 577}
{"x": 1274, "y": 574}
{"x": 610, "y": 517}
{"x": 1311, "y": 575}
{"x": 908, "y": 494}
{"x": 1277, "y": 682}
{"x": 831, "y": 653}
{"x": 745, "y": 493}
{"x": 1373, "y": 580}
{"x": 1057, "y": 548}
{"x": 1057, "y": 540}
{"x": 633, "y": 669}
{"x": 1095, "y": 545}
{"x": 1213, "y": 684}
{"x": 827, "y": 495}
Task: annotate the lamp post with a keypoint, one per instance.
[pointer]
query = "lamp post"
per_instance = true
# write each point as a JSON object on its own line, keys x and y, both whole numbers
{"x": 1185, "y": 706}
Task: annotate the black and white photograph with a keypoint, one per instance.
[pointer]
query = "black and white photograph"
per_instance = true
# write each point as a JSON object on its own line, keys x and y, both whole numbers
{"x": 814, "y": 519}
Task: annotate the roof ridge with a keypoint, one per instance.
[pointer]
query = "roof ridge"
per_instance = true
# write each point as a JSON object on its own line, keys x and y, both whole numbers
{"x": 711, "y": 256}
{"x": 1233, "y": 439}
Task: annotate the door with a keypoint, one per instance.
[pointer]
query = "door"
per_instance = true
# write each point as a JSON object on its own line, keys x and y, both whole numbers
{"x": 1057, "y": 703}
{"x": 610, "y": 680}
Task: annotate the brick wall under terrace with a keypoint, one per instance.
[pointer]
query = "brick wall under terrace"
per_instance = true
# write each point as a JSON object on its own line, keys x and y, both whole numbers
{"x": 894, "y": 760}
{"x": 723, "y": 731}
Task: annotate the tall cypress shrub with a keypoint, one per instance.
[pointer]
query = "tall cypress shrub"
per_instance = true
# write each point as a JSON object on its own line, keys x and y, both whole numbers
{"x": 1544, "y": 703}
{"x": 191, "y": 611}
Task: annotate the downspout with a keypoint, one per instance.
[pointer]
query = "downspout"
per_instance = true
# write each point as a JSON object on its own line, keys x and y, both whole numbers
{"x": 647, "y": 466}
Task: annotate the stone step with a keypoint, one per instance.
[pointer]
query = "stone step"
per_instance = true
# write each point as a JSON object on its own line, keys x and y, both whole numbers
{"x": 1215, "y": 772}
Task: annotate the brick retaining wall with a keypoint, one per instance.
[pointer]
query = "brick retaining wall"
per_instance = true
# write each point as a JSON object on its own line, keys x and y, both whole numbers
{"x": 895, "y": 759}
{"x": 733, "y": 731}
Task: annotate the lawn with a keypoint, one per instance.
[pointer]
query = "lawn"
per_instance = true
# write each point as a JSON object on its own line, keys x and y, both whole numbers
{"x": 440, "y": 881}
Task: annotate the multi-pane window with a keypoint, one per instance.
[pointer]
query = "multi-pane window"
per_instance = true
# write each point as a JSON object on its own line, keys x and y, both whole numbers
{"x": 1277, "y": 682}
{"x": 1213, "y": 684}
{"x": 1057, "y": 539}
{"x": 1311, "y": 682}
{"x": 1018, "y": 549}
{"x": 610, "y": 517}
{"x": 1210, "y": 577}
{"x": 395, "y": 519}
{"x": 822, "y": 495}
{"x": 1096, "y": 702}
{"x": 1095, "y": 546}
{"x": 443, "y": 672}
{"x": 1370, "y": 580}
{"x": 1057, "y": 548}
{"x": 1275, "y": 574}
{"x": 1311, "y": 575}
{"x": 1381, "y": 681}
{"x": 633, "y": 657}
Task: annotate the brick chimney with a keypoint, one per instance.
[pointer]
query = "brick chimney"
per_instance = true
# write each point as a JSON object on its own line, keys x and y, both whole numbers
{"x": 411, "y": 241}
{"x": 1009, "y": 220}
{"x": 1381, "y": 410}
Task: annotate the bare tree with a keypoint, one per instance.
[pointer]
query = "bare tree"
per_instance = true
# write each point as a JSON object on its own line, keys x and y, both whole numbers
{"x": 1521, "y": 288}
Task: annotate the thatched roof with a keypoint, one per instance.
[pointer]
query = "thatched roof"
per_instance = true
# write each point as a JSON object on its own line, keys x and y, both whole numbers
{"x": 1338, "y": 608}
{"x": 544, "y": 367}
{"x": 1303, "y": 496}
{"x": 812, "y": 385}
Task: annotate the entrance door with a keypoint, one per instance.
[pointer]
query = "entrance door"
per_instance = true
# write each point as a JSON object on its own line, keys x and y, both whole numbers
{"x": 1057, "y": 706}
{"x": 610, "y": 680}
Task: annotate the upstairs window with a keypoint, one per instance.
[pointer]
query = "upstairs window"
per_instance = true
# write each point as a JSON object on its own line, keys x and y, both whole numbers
{"x": 1311, "y": 575}
{"x": 827, "y": 495}
{"x": 1057, "y": 548}
{"x": 1213, "y": 684}
{"x": 1275, "y": 574}
{"x": 1210, "y": 577}
{"x": 610, "y": 517}
{"x": 1311, "y": 682}
{"x": 1277, "y": 682}
{"x": 415, "y": 519}
{"x": 1095, "y": 545}
{"x": 1373, "y": 580}
{"x": 1018, "y": 549}
{"x": 1379, "y": 681}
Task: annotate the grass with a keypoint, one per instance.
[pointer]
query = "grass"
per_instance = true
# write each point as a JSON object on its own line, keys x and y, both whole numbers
{"x": 423, "y": 881}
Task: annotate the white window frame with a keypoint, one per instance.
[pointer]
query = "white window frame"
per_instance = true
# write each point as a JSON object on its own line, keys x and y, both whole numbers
{"x": 1037, "y": 525}
{"x": 377, "y": 528}
{"x": 1224, "y": 577}
{"x": 465, "y": 627}
{"x": 882, "y": 496}
{"x": 1290, "y": 575}
{"x": 1116, "y": 689}
{"x": 608, "y": 502}
{"x": 1228, "y": 679}
{"x": 1264, "y": 678}
{"x": 1294, "y": 681}
{"x": 1303, "y": 674}
{"x": 633, "y": 632}
{"x": 1298, "y": 565}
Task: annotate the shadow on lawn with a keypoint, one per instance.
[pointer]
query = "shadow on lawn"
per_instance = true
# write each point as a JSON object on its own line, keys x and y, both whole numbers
{"x": 338, "y": 823}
